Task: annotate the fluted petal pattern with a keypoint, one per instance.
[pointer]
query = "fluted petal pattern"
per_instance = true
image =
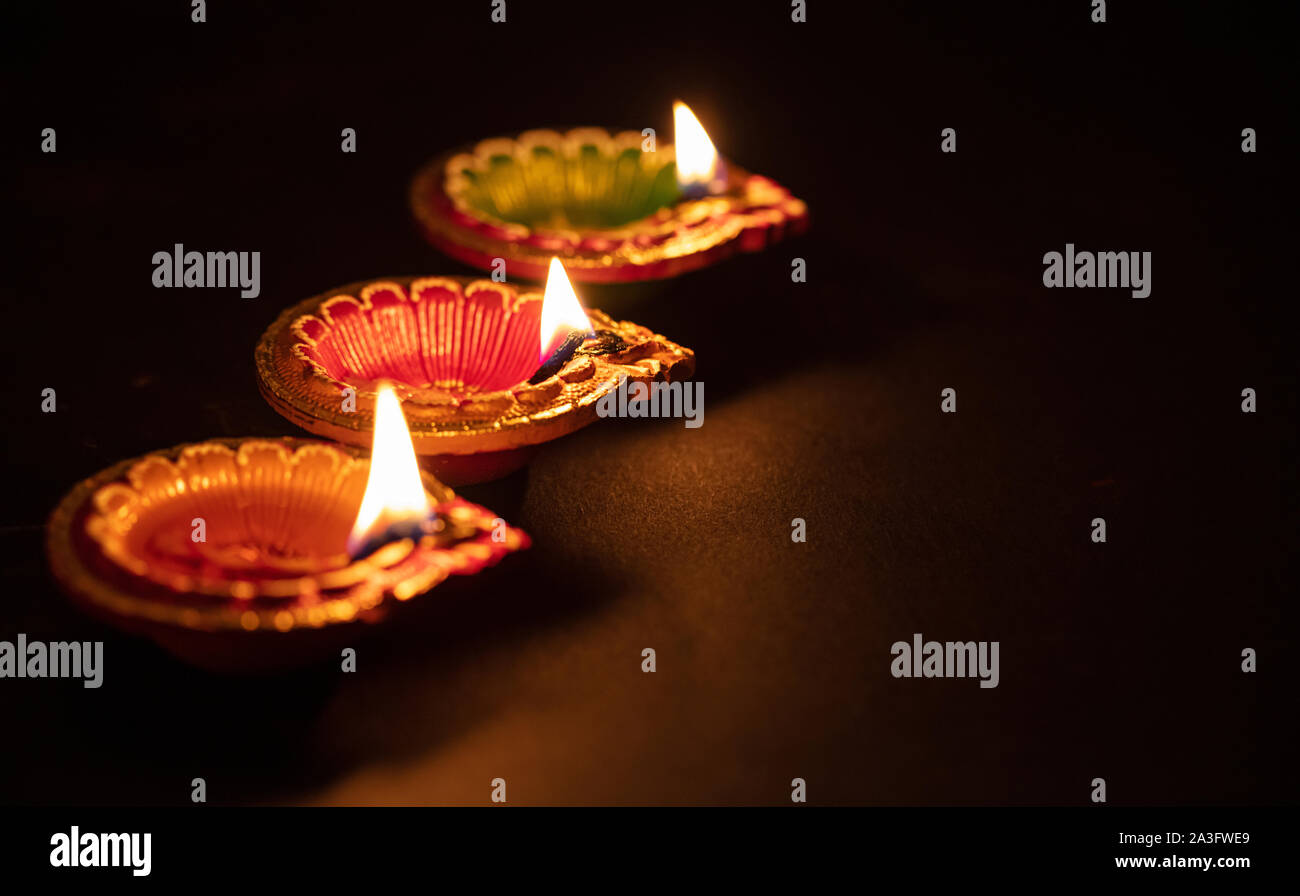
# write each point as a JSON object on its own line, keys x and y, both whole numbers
{"x": 459, "y": 339}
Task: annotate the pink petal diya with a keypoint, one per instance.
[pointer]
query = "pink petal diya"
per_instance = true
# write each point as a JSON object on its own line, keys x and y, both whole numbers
{"x": 610, "y": 211}
{"x": 459, "y": 352}
{"x": 276, "y": 516}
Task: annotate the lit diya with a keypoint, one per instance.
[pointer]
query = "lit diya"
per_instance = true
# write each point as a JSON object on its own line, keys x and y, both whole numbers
{"x": 486, "y": 373}
{"x": 611, "y": 208}
{"x": 255, "y": 553}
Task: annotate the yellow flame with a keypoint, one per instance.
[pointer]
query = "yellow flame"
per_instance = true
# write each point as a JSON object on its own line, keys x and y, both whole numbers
{"x": 394, "y": 491}
{"x": 561, "y": 311}
{"x": 697, "y": 160}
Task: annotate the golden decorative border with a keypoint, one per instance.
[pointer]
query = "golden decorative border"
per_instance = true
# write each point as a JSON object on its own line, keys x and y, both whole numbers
{"x": 84, "y": 571}
{"x": 753, "y": 213}
{"x": 303, "y": 392}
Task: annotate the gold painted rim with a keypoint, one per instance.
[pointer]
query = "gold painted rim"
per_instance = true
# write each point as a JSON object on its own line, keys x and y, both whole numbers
{"x": 84, "y": 572}
{"x": 524, "y": 415}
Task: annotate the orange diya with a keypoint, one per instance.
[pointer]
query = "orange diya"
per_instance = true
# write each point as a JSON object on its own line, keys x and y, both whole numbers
{"x": 487, "y": 372}
{"x": 254, "y": 553}
{"x": 611, "y": 210}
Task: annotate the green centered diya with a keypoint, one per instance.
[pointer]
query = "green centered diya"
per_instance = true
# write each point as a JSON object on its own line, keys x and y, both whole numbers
{"x": 609, "y": 208}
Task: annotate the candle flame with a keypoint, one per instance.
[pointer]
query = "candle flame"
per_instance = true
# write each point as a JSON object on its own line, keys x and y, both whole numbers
{"x": 697, "y": 160}
{"x": 394, "y": 491}
{"x": 561, "y": 311}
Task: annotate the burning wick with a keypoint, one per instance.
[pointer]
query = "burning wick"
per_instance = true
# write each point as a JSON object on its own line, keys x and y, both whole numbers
{"x": 700, "y": 172}
{"x": 394, "y": 505}
{"x": 564, "y": 324}
{"x": 558, "y": 358}
{"x": 602, "y": 342}
{"x": 434, "y": 525}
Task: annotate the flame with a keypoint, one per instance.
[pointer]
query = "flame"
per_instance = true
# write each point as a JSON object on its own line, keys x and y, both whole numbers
{"x": 394, "y": 491}
{"x": 697, "y": 160}
{"x": 561, "y": 311}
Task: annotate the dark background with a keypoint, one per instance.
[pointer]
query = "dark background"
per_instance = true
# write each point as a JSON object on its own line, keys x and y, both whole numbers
{"x": 1119, "y": 660}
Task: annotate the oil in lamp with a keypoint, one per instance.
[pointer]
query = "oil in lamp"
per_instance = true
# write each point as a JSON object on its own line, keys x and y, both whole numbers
{"x": 611, "y": 210}
{"x": 259, "y": 553}
{"x": 486, "y": 372}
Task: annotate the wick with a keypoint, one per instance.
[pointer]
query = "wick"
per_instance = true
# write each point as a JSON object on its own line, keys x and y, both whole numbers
{"x": 578, "y": 342}
{"x": 559, "y": 357}
{"x": 436, "y": 525}
{"x": 605, "y": 342}
{"x": 703, "y": 189}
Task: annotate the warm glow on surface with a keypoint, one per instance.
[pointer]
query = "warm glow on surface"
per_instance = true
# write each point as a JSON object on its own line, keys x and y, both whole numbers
{"x": 697, "y": 160}
{"x": 561, "y": 311}
{"x": 394, "y": 491}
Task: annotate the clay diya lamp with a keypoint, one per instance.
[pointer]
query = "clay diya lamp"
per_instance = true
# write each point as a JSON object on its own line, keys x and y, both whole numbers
{"x": 613, "y": 211}
{"x": 475, "y": 363}
{"x": 255, "y": 554}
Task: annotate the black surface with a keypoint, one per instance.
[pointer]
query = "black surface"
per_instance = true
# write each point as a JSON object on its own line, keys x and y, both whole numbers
{"x": 1119, "y": 660}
